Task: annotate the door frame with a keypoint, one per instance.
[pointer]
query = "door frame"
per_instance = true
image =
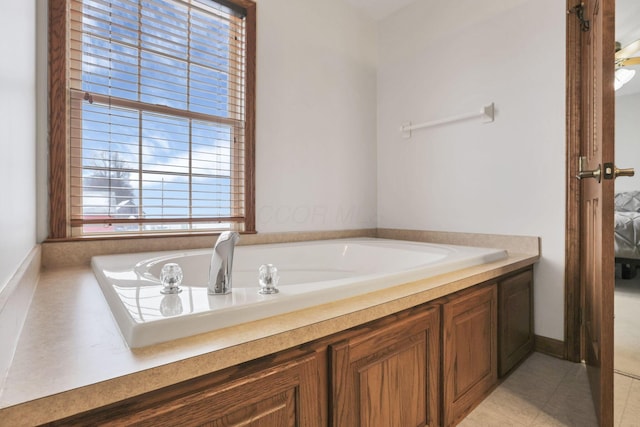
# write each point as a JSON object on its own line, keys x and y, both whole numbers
{"x": 573, "y": 295}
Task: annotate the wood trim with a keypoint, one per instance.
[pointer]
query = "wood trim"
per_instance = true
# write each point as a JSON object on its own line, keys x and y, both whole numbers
{"x": 573, "y": 293}
{"x": 58, "y": 124}
{"x": 238, "y": 5}
{"x": 603, "y": 370}
{"x": 250, "y": 118}
{"x": 549, "y": 346}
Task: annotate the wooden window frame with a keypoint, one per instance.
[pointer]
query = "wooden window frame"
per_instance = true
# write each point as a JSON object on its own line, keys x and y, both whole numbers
{"x": 60, "y": 132}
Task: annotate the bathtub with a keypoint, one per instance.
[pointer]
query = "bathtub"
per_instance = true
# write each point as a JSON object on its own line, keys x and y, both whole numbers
{"x": 311, "y": 273}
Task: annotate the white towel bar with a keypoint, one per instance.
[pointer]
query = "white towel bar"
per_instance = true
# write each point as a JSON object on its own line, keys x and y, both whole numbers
{"x": 487, "y": 113}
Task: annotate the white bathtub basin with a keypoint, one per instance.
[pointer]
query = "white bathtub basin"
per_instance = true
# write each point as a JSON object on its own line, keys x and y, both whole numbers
{"x": 311, "y": 273}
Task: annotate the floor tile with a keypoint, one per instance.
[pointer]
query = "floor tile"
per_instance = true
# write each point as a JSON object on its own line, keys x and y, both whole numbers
{"x": 511, "y": 406}
{"x": 626, "y": 331}
{"x": 549, "y": 392}
{"x": 543, "y": 391}
{"x": 562, "y": 420}
{"x": 486, "y": 417}
{"x": 631, "y": 412}
{"x": 571, "y": 401}
{"x": 621, "y": 389}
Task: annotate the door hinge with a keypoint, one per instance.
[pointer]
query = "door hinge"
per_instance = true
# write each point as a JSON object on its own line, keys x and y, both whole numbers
{"x": 579, "y": 11}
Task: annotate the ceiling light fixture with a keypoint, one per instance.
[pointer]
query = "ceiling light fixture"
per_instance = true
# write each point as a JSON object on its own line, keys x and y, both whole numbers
{"x": 622, "y": 77}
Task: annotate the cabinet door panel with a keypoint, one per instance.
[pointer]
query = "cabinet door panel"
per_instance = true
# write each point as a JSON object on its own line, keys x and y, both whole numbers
{"x": 286, "y": 394}
{"x": 472, "y": 335}
{"x": 278, "y": 410}
{"x": 388, "y": 376}
{"x": 470, "y": 351}
{"x": 282, "y": 396}
{"x": 516, "y": 319}
{"x": 398, "y": 383}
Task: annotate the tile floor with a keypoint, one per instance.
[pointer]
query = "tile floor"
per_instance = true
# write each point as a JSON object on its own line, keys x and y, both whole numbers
{"x": 627, "y": 326}
{"x": 546, "y": 391}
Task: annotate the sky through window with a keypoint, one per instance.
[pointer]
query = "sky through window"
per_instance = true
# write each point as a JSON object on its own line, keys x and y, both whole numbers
{"x": 160, "y": 112}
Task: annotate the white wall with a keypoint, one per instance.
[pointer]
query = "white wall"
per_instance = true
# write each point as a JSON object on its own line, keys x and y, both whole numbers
{"x": 331, "y": 83}
{"x": 17, "y": 134}
{"x": 316, "y": 112}
{"x": 316, "y": 117}
{"x": 438, "y": 59}
{"x": 628, "y": 140}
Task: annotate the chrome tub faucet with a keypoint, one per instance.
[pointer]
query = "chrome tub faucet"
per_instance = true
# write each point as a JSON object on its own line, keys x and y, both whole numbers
{"x": 222, "y": 263}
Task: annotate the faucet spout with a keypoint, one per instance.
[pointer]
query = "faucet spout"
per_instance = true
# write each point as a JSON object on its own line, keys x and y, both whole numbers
{"x": 222, "y": 263}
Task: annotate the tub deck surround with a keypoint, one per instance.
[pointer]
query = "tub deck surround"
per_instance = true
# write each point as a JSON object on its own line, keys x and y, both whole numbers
{"x": 71, "y": 356}
{"x": 513, "y": 244}
{"x": 311, "y": 273}
{"x": 79, "y": 252}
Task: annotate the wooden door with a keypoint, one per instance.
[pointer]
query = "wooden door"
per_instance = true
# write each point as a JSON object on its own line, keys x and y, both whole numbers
{"x": 470, "y": 362}
{"x": 388, "y": 376}
{"x": 596, "y": 223}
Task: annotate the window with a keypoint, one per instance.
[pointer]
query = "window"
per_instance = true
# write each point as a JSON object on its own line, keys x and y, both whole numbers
{"x": 151, "y": 126}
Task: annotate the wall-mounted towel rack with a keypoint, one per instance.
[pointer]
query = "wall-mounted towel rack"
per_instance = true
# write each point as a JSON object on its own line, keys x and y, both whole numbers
{"x": 486, "y": 113}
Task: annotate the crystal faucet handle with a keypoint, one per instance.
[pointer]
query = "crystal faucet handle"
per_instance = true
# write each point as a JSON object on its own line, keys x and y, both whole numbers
{"x": 171, "y": 278}
{"x": 268, "y": 278}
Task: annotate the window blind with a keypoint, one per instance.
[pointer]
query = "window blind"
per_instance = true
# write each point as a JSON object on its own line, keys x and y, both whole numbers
{"x": 157, "y": 112}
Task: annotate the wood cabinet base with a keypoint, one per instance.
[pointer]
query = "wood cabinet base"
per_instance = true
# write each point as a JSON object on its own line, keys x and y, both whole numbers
{"x": 515, "y": 319}
{"x": 470, "y": 362}
{"x": 389, "y": 376}
{"x": 426, "y": 366}
{"x": 285, "y": 394}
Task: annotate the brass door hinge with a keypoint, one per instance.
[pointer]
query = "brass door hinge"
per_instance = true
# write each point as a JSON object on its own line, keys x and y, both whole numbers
{"x": 579, "y": 11}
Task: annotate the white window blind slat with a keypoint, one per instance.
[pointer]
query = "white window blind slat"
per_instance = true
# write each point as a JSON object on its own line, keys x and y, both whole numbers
{"x": 157, "y": 124}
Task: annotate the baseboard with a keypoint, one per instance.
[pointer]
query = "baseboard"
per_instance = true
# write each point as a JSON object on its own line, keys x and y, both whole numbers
{"x": 549, "y": 346}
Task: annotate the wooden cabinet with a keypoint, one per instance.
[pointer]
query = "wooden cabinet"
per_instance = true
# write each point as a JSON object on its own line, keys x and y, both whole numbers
{"x": 286, "y": 394}
{"x": 470, "y": 360}
{"x": 429, "y": 365}
{"x": 515, "y": 319}
{"x": 388, "y": 376}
